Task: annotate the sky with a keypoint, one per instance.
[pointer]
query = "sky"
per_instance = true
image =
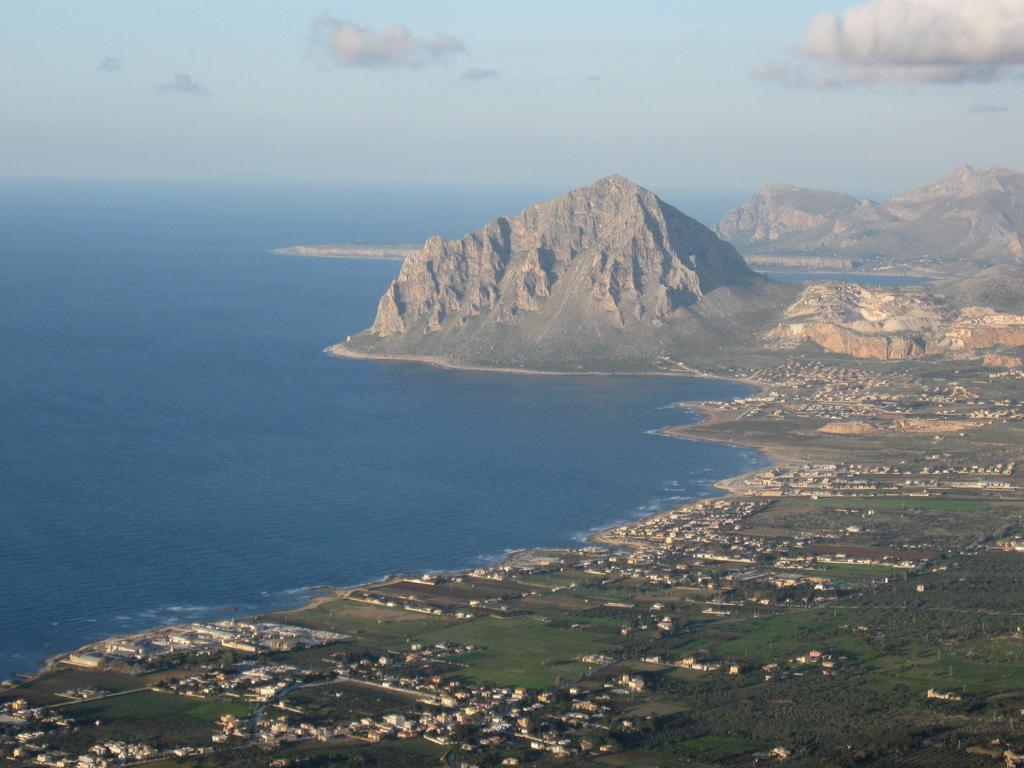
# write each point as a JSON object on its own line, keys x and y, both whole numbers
{"x": 864, "y": 96}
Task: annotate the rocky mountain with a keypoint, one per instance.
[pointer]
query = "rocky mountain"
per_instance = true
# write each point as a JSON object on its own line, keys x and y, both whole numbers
{"x": 607, "y": 277}
{"x": 968, "y": 220}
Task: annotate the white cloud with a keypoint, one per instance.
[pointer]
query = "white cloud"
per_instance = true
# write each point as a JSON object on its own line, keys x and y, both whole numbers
{"x": 182, "y": 83}
{"x": 909, "y": 41}
{"x": 350, "y": 45}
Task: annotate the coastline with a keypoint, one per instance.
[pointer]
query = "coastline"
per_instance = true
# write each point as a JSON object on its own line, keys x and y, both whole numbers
{"x": 600, "y": 537}
{"x": 339, "y": 350}
{"x": 730, "y": 486}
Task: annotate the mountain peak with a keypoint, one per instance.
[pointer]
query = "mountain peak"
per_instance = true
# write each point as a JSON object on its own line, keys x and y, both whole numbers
{"x": 616, "y": 180}
{"x": 963, "y": 182}
{"x": 614, "y": 187}
{"x": 780, "y": 189}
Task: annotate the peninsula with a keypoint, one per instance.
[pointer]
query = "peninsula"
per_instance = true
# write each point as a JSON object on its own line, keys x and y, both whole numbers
{"x": 605, "y": 278}
{"x": 349, "y": 251}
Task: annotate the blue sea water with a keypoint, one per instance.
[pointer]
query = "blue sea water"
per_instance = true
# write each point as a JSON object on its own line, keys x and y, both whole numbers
{"x": 175, "y": 445}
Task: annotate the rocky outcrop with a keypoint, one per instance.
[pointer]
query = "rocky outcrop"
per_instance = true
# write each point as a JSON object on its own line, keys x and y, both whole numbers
{"x": 981, "y": 328}
{"x": 607, "y": 276}
{"x": 970, "y": 218}
{"x": 844, "y": 341}
{"x": 993, "y": 360}
{"x": 891, "y": 324}
{"x": 862, "y": 322}
{"x": 849, "y": 428}
{"x": 928, "y": 426}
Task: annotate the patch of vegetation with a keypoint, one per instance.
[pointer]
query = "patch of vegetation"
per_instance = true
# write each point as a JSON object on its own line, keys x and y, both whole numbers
{"x": 519, "y": 651}
{"x": 161, "y": 719}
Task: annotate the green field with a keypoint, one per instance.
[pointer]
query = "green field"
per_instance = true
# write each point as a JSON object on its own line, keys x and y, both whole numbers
{"x": 43, "y": 690}
{"x": 161, "y": 719}
{"x": 145, "y": 704}
{"x": 346, "y": 701}
{"x": 854, "y": 570}
{"x": 368, "y": 623}
{"x": 520, "y": 651}
{"x": 714, "y": 747}
{"x": 779, "y": 637}
{"x": 903, "y": 504}
{"x": 951, "y": 672}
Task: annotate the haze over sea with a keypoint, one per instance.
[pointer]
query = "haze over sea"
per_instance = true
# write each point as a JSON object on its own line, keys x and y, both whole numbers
{"x": 174, "y": 445}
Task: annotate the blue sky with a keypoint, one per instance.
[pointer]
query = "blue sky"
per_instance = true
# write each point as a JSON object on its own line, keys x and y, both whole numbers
{"x": 725, "y": 94}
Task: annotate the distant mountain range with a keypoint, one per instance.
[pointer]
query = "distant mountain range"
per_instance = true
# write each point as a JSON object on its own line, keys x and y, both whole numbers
{"x": 964, "y": 222}
{"x": 607, "y": 277}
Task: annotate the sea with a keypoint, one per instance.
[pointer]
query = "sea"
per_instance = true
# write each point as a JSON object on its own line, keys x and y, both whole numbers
{"x": 176, "y": 446}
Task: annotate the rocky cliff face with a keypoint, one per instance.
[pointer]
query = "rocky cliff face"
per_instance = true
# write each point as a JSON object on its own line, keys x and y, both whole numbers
{"x": 607, "y": 276}
{"x": 887, "y": 324}
{"x": 845, "y": 341}
{"x": 968, "y": 219}
{"x": 994, "y": 360}
{"x": 982, "y": 328}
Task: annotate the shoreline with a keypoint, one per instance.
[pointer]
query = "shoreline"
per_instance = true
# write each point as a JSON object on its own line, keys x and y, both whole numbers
{"x": 730, "y": 486}
{"x": 340, "y": 351}
{"x": 598, "y": 537}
